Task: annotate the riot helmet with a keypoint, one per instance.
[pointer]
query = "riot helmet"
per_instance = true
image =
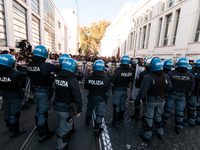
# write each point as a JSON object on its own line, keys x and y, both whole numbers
{"x": 182, "y": 62}
{"x": 125, "y": 60}
{"x": 40, "y": 51}
{"x": 147, "y": 61}
{"x": 156, "y": 64}
{"x": 189, "y": 68}
{"x": 7, "y": 60}
{"x": 167, "y": 64}
{"x": 63, "y": 57}
{"x": 98, "y": 65}
{"x": 70, "y": 65}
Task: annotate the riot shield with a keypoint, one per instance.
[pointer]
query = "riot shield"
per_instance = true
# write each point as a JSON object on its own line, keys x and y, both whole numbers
{"x": 139, "y": 69}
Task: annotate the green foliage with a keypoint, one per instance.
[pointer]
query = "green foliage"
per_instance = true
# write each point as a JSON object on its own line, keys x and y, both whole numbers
{"x": 90, "y": 37}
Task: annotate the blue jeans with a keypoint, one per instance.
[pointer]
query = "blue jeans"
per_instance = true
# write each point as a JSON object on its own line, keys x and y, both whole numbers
{"x": 119, "y": 100}
{"x": 180, "y": 100}
{"x": 193, "y": 110}
{"x": 152, "y": 111}
{"x": 12, "y": 109}
{"x": 99, "y": 111}
{"x": 63, "y": 127}
{"x": 43, "y": 105}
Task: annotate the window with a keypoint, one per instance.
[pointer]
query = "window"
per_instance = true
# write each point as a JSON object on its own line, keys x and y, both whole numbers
{"x": 2, "y": 25}
{"x": 177, "y": 20}
{"x": 168, "y": 25}
{"x": 131, "y": 41}
{"x": 144, "y": 36}
{"x": 19, "y": 20}
{"x": 163, "y": 6}
{"x": 59, "y": 46}
{"x": 171, "y": 3}
{"x": 35, "y": 31}
{"x": 147, "y": 15}
{"x": 59, "y": 25}
{"x": 197, "y": 32}
{"x": 24, "y": 1}
{"x": 49, "y": 12}
{"x": 148, "y": 36}
{"x": 35, "y": 5}
{"x": 160, "y": 27}
{"x": 49, "y": 36}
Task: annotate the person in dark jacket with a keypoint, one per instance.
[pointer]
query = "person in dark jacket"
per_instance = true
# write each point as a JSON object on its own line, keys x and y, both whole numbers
{"x": 152, "y": 95}
{"x": 137, "y": 85}
{"x": 11, "y": 93}
{"x": 41, "y": 81}
{"x": 67, "y": 102}
{"x": 121, "y": 78}
{"x": 98, "y": 85}
{"x": 182, "y": 85}
{"x": 193, "y": 104}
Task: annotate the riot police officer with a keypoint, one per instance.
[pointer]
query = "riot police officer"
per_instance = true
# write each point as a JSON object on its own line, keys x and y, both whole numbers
{"x": 167, "y": 65}
{"x": 67, "y": 92}
{"x": 97, "y": 84}
{"x": 189, "y": 68}
{"x": 152, "y": 94}
{"x": 40, "y": 73}
{"x": 182, "y": 84}
{"x": 193, "y": 103}
{"x": 121, "y": 78}
{"x": 12, "y": 97}
{"x": 137, "y": 85}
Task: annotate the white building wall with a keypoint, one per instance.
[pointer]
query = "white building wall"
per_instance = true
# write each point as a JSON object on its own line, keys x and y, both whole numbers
{"x": 187, "y": 26}
{"x": 61, "y": 35}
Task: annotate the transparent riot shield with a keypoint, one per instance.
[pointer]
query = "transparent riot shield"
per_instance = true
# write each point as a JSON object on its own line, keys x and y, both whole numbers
{"x": 139, "y": 69}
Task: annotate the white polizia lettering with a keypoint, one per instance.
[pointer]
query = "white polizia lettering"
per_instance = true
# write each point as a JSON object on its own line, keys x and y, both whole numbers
{"x": 183, "y": 78}
{"x": 5, "y": 79}
{"x": 126, "y": 74}
{"x": 61, "y": 83}
{"x": 33, "y": 69}
{"x": 95, "y": 82}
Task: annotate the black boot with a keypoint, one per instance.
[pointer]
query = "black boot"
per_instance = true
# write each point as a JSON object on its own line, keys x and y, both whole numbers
{"x": 42, "y": 131}
{"x": 97, "y": 129}
{"x": 178, "y": 130}
{"x": 87, "y": 120}
{"x": 115, "y": 122}
{"x": 136, "y": 114}
{"x": 15, "y": 128}
{"x": 144, "y": 138}
{"x": 121, "y": 116}
{"x": 7, "y": 123}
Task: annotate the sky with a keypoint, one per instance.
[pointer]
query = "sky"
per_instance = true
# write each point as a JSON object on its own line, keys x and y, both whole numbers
{"x": 93, "y": 10}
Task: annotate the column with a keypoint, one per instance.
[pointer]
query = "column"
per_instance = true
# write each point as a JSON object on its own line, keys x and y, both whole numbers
{"x": 162, "y": 33}
{"x": 29, "y": 22}
{"x": 166, "y": 4}
{"x": 141, "y": 38}
{"x": 146, "y": 37}
{"x": 9, "y": 23}
{"x": 41, "y": 8}
{"x": 172, "y": 28}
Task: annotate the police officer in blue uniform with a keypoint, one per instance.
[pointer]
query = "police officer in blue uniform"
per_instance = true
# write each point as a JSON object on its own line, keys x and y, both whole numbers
{"x": 189, "y": 68}
{"x": 121, "y": 78}
{"x": 152, "y": 95}
{"x": 193, "y": 104}
{"x": 40, "y": 73}
{"x": 182, "y": 85}
{"x": 98, "y": 85}
{"x": 67, "y": 93}
{"x": 167, "y": 66}
{"x": 138, "y": 84}
{"x": 11, "y": 92}
{"x": 63, "y": 57}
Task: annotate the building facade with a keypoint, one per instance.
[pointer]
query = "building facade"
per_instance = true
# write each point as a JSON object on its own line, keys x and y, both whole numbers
{"x": 37, "y": 21}
{"x": 163, "y": 28}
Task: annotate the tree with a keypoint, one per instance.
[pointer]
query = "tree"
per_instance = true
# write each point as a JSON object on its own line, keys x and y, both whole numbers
{"x": 91, "y": 37}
